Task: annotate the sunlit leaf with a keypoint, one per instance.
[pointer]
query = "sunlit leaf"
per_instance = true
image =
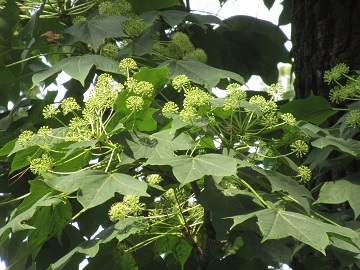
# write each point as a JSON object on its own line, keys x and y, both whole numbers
{"x": 348, "y": 146}
{"x": 341, "y": 191}
{"x": 78, "y": 67}
{"x": 281, "y": 224}
{"x": 95, "y": 187}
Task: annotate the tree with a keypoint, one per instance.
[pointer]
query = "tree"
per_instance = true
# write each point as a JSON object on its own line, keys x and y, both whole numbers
{"x": 175, "y": 177}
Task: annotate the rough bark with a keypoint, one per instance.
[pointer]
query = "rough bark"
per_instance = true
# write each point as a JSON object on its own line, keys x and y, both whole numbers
{"x": 324, "y": 33}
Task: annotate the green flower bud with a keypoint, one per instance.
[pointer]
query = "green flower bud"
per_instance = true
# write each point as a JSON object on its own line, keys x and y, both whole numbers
{"x": 135, "y": 103}
{"x": 300, "y": 148}
{"x": 170, "y": 108}
{"x": 25, "y": 138}
{"x": 304, "y": 173}
{"x": 41, "y": 165}
{"x": 69, "y": 105}
{"x": 288, "y": 118}
{"x": 197, "y": 54}
{"x": 109, "y": 50}
{"x": 181, "y": 82}
{"x": 154, "y": 179}
{"x": 50, "y": 111}
{"x": 335, "y": 73}
{"x": 353, "y": 118}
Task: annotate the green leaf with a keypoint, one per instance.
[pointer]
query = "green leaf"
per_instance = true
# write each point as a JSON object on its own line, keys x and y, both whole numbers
{"x": 78, "y": 67}
{"x": 200, "y": 73}
{"x": 160, "y": 145}
{"x": 269, "y": 3}
{"x": 174, "y": 245}
{"x": 341, "y": 191}
{"x": 349, "y": 146}
{"x": 226, "y": 203}
{"x": 95, "y": 187}
{"x": 141, "y": 6}
{"x": 94, "y": 31}
{"x": 18, "y": 223}
{"x": 120, "y": 230}
{"x": 314, "y": 109}
{"x": 157, "y": 76}
{"x": 280, "y": 182}
{"x": 281, "y": 224}
{"x": 187, "y": 169}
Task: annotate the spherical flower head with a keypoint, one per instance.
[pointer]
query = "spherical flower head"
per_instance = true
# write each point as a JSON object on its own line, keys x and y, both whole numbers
{"x": 179, "y": 44}
{"x": 304, "y": 173}
{"x": 276, "y": 90}
{"x": 44, "y": 132}
{"x": 299, "y": 147}
{"x": 78, "y": 19}
{"x": 235, "y": 95}
{"x": 118, "y": 7}
{"x": 197, "y": 54}
{"x": 169, "y": 109}
{"x": 104, "y": 94}
{"x": 109, "y": 50}
{"x": 269, "y": 119}
{"x": 134, "y": 27}
{"x": 143, "y": 89}
{"x": 195, "y": 97}
{"x": 69, "y": 105}
{"x": 154, "y": 179}
{"x": 25, "y": 138}
{"x": 50, "y": 111}
{"x": 41, "y": 165}
{"x": 135, "y": 103}
{"x": 353, "y": 118}
{"x": 129, "y": 206}
{"x": 181, "y": 82}
{"x": 335, "y": 73}
{"x": 262, "y": 104}
{"x": 188, "y": 113}
{"x": 288, "y": 119}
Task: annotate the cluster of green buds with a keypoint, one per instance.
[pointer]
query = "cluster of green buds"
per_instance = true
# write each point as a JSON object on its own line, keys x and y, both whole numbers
{"x": 348, "y": 91}
{"x": 196, "y": 101}
{"x": 179, "y": 47}
{"x": 114, "y": 8}
{"x": 130, "y": 206}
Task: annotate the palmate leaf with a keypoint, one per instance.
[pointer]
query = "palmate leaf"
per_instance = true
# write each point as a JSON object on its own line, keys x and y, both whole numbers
{"x": 120, "y": 230}
{"x": 78, "y": 67}
{"x": 281, "y": 224}
{"x": 349, "y": 146}
{"x": 18, "y": 223}
{"x": 187, "y": 169}
{"x": 200, "y": 73}
{"x": 341, "y": 191}
{"x": 94, "y": 31}
{"x": 95, "y": 187}
{"x": 156, "y": 146}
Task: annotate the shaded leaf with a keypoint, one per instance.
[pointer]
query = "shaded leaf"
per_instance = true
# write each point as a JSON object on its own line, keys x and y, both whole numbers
{"x": 281, "y": 224}
{"x": 141, "y": 6}
{"x": 78, "y": 67}
{"x": 269, "y": 3}
{"x": 95, "y": 187}
{"x": 349, "y": 146}
{"x": 94, "y": 31}
{"x": 18, "y": 223}
{"x": 200, "y": 73}
{"x": 174, "y": 245}
{"x": 314, "y": 109}
{"x": 90, "y": 248}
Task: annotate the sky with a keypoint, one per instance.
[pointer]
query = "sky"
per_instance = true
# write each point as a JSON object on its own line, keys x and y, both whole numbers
{"x": 254, "y": 8}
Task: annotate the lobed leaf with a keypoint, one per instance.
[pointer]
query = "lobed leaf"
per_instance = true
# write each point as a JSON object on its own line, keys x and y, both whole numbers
{"x": 95, "y": 187}
{"x": 281, "y": 224}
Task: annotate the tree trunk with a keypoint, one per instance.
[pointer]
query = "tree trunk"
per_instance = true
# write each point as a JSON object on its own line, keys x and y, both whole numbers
{"x": 324, "y": 33}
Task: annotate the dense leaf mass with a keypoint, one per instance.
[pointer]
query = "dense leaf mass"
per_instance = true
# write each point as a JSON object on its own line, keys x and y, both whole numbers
{"x": 139, "y": 165}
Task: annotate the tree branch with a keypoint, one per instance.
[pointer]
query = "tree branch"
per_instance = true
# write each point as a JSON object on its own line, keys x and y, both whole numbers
{"x": 210, "y": 234}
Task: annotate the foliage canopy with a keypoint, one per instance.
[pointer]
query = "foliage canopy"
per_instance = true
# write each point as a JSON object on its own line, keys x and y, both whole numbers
{"x": 176, "y": 177}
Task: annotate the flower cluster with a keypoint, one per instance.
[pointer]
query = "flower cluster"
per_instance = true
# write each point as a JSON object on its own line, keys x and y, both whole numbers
{"x": 41, "y": 165}
{"x": 154, "y": 179}
{"x": 50, "y": 111}
{"x": 114, "y": 8}
{"x": 288, "y": 119}
{"x": 134, "y": 27}
{"x": 26, "y": 137}
{"x": 335, "y": 73}
{"x": 109, "y": 50}
{"x": 181, "y": 83}
{"x": 130, "y": 206}
{"x": 180, "y": 47}
{"x": 235, "y": 95}
{"x": 353, "y": 118}
{"x": 300, "y": 148}
{"x": 304, "y": 173}
{"x": 169, "y": 109}
{"x": 69, "y": 105}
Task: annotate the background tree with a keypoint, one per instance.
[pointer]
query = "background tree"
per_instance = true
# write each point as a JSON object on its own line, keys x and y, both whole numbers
{"x": 175, "y": 177}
